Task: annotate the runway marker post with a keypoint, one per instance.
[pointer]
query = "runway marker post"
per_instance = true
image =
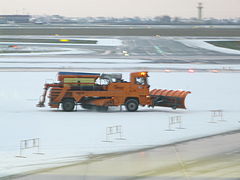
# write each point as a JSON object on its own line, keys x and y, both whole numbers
{"x": 216, "y": 115}
{"x": 29, "y": 144}
{"x": 175, "y": 122}
{"x": 113, "y": 131}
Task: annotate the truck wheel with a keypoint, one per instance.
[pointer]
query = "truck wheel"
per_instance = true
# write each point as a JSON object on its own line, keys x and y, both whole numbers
{"x": 68, "y": 105}
{"x": 131, "y": 105}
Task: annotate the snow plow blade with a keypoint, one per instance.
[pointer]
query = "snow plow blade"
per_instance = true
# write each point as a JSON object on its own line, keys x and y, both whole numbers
{"x": 169, "y": 98}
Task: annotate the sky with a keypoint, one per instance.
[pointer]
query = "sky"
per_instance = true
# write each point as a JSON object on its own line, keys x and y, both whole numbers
{"x": 122, "y": 8}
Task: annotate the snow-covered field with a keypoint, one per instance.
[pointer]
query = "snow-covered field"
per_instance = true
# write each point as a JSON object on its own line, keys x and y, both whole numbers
{"x": 49, "y": 48}
{"x": 201, "y": 43}
{"x": 110, "y": 64}
{"x": 100, "y": 41}
{"x": 68, "y": 136}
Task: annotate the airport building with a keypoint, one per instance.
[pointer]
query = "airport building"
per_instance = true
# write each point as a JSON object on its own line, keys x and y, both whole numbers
{"x": 15, "y": 18}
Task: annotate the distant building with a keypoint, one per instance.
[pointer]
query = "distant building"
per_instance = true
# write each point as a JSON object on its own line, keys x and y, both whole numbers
{"x": 15, "y": 18}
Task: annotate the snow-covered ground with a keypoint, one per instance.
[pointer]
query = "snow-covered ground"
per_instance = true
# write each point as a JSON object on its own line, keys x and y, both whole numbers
{"x": 201, "y": 43}
{"x": 53, "y": 62}
{"x": 100, "y": 41}
{"x": 68, "y": 136}
{"x": 57, "y": 60}
{"x": 50, "y": 49}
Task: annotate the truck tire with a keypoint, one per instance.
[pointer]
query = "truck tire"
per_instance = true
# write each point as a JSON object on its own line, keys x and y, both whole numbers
{"x": 131, "y": 105}
{"x": 68, "y": 105}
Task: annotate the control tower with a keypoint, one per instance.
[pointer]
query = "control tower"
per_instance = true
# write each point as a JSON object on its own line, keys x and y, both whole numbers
{"x": 200, "y": 7}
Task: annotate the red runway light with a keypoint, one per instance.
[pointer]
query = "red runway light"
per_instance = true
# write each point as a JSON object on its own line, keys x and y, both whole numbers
{"x": 191, "y": 71}
{"x": 167, "y": 70}
{"x": 13, "y": 46}
{"x": 215, "y": 71}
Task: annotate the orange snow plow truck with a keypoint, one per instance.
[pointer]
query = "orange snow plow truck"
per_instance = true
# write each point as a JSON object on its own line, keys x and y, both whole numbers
{"x": 99, "y": 91}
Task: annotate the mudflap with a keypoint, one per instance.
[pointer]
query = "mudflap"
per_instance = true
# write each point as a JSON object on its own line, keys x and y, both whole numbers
{"x": 169, "y": 98}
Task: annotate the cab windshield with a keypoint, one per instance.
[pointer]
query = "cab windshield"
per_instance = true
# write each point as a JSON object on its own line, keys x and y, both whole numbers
{"x": 141, "y": 81}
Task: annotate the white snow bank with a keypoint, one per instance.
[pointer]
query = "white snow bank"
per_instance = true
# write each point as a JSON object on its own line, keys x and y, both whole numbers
{"x": 68, "y": 60}
{"x": 103, "y": 42}
{"x": 53, "y": 62}
{"x": 49, "y": 51}
{"x": 200, "y": 43}
{"x": 100, "y": 41}
{"x": 56, "y": 50}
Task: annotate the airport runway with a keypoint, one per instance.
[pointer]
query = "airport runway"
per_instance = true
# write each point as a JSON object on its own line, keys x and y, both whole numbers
{"x": 210, "y": 158}
{"x": 158, "y": 50}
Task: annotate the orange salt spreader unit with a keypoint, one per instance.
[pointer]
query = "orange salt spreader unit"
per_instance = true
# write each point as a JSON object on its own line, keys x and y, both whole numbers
{"x": 99, "y": 91}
